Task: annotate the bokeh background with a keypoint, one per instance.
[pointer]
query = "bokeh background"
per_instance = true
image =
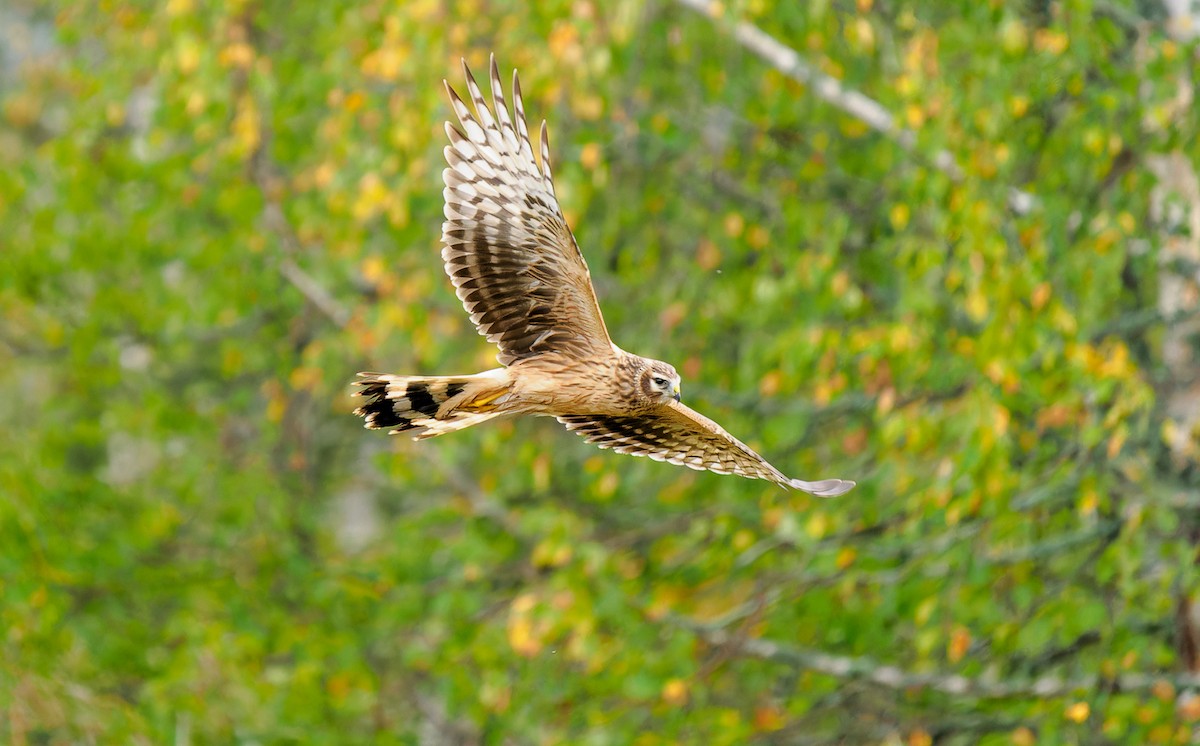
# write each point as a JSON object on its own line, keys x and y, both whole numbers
{"x": 966, "y": 278}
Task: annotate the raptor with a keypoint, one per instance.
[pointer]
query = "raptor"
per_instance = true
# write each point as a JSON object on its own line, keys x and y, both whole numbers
{"x": 519, "y": 273}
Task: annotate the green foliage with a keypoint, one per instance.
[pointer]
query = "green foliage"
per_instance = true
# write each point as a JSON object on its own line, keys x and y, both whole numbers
{"x": 212, "y": 215}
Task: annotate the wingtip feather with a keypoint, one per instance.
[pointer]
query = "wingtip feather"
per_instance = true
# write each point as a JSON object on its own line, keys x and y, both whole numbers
{"x": 825, "y": 487}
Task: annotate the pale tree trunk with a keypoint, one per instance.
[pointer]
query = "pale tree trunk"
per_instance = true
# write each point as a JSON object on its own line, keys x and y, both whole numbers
{"x": 1175, "y": 207}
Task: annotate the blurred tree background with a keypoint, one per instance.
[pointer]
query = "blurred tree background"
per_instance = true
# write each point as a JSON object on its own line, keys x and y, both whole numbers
{"x": 966, "y": 278}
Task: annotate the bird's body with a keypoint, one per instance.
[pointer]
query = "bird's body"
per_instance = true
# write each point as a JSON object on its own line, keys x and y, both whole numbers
{"x": 520, "y": 275}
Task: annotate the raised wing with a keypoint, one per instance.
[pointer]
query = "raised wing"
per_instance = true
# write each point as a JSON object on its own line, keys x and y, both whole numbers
{"x": 513, "y": 261}
{"x": 679, "y": 435}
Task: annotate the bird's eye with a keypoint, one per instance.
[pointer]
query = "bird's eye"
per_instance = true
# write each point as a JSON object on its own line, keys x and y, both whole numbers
{"x": 660, "y": 382}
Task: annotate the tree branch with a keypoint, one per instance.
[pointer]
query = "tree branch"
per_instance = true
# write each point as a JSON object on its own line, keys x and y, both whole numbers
{"x": 894, "y": 677}
{"x": 312, "y": 290}
{"x": 263, "y": 172}
{"x": 867, "y": 110}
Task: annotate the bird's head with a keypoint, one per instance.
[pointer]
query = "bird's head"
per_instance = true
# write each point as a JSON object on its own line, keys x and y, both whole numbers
{"x": 659, "y": 382}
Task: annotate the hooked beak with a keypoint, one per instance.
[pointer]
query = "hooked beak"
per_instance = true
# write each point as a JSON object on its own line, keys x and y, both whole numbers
{"x": 678, "y": 396}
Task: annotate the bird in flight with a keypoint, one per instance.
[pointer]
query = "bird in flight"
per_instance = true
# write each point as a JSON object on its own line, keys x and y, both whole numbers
{"x": 520, "y": 275}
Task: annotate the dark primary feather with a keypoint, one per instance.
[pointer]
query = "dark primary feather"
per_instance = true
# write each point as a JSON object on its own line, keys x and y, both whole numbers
{"x": 680, "y": 435}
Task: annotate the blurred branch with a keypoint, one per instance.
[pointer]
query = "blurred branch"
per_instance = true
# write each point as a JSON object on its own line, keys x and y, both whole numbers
{"x": 893, "y": 677}
{"x": 277, "y": 224}
{"x": 1127, "y": 19}
{"x": 312, "y": 290}
{"x": 1061, "y": 653}
{"x": 1104, "y": 531}
{"x": 867, "y": 110}
{"x": 264, "y": 173}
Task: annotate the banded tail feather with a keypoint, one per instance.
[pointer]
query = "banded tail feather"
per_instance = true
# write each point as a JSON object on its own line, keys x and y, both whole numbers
{"x": 428, "y": 406}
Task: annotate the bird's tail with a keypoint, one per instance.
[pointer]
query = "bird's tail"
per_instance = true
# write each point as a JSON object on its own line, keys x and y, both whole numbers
{"x": 427, "y": 406}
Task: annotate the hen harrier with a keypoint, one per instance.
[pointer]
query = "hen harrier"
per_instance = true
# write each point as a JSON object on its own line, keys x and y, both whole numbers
{"x": 520, "y": 275}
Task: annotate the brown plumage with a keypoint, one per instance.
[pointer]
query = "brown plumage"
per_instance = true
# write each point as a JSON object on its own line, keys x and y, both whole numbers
{"x": 520, "y": 275}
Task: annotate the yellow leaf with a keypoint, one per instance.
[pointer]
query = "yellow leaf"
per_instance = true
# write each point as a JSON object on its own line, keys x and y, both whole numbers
{"x": 354, "y": 101}
{"x": 305, "y": 378}
{"x": 925, "y": 610}
{"x": 675, "y": 692}
{"x": 589, "y": 156}
{"x": 708, "y": 256}
{"x": 114, "y": 114}
{"x": 1014, "y": 36}
{"x": 338, "y": 686}
{"x": 1000, "y": 420}
{"x": 839, "y": 283}
{"x": 860, "y": 35}
{"x": 960, "y": 642}
{"x": 607, "y": 485}
{"x": 816, "y": 526}
{"x": 495, "y": 696}
{"x": 914, "y": 115}
{"x": 758, "y": 237}
{"x": 232, "y": 361}
{"x": 276, "y": 403}
{"x": 239, "y": 55}
{"x": 521, "y": 638}
{"x": 845, "y": 557}
{"x": 768, "y": 717}
{"x": 672, "y": 315}
{"x": 1040, "y": 296}
{"x": 1078, "y": 712}
{"x": 385, "y": 63}
{"x": 977, "y": 306}
{"x": 1163, "y": 691}
{"x": 770, "y": 383}
{"x": 541, "y": 472}
{"x": 1114, "y": 361}
{"x": 551, "y": 553}
{"x": 886, "y": 401}
{"x": 373, "y": 269}
{"x": 373, "y": 195}
{"x": 920, "y": 737}
{"x": 1115, "y": 442}
{"x": 187, "y": 55}
{"x": 246, "y": 126}
{"x": 734, "y": 225}
{"x": 587, "y": 107}
{"x": 196, "y": 103}
{"x": 1064, "y": 321}
{"x": 1051, "y": 41}
{"x": 563, "y": 41}
{"x": 852, "y": 128}
{"x": 177, "y": 8}
{"x": 54, "y": 332}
